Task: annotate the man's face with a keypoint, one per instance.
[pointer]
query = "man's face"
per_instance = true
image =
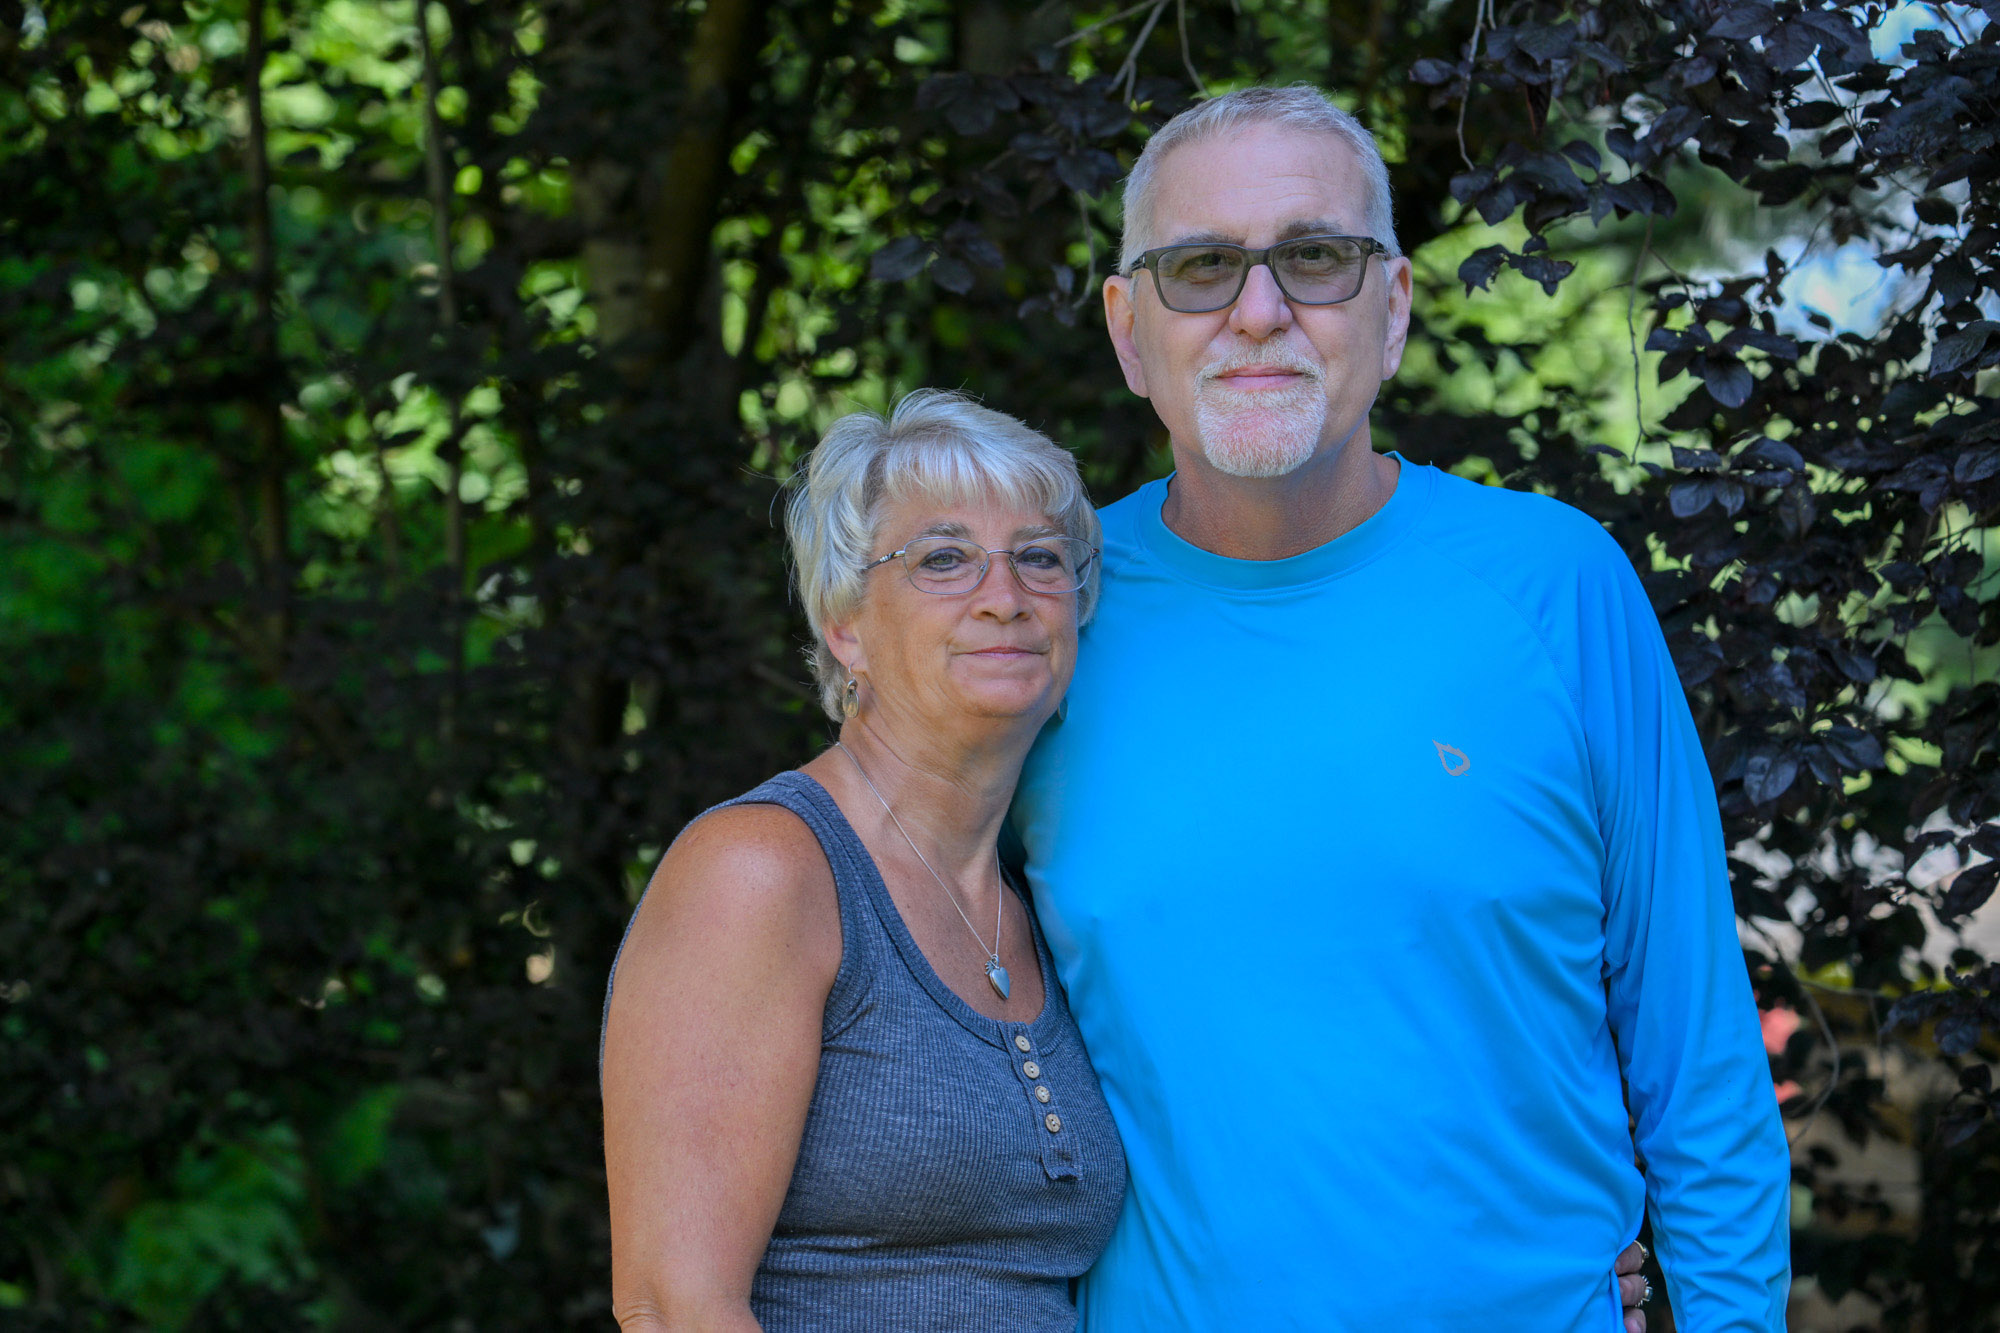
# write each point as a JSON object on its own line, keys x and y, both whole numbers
{"x": 1263, "y": 387}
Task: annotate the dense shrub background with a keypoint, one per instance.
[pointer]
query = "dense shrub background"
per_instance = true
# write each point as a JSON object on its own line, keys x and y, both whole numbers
{"x": 392, "y": 396}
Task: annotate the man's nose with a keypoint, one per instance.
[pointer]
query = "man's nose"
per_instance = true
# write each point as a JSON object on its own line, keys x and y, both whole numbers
{"x": 1261, "y": 308}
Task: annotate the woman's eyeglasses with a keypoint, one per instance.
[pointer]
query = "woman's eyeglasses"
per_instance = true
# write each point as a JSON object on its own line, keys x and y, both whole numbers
{"x": 946, "y": 565}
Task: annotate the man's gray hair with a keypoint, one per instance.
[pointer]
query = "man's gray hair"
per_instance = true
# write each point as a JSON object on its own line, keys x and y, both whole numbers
{"x": 1299, "y": 107}
{"x": 935, "y": 444}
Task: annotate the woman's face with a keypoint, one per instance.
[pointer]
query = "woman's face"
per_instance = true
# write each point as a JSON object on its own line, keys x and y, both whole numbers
{"x": 998, "y": 651}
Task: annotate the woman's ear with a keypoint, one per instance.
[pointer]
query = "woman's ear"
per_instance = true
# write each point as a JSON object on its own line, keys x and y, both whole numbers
{"x": 846, "y": 646}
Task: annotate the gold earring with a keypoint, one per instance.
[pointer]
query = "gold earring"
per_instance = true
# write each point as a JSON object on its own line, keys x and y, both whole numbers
{"x": 850, "y": 698}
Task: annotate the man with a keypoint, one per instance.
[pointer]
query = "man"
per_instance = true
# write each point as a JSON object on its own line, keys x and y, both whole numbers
{"x": 1375, "y": 843}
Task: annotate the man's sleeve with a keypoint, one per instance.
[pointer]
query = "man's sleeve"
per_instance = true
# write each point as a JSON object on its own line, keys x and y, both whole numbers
{"x": 1718, "y": 1169}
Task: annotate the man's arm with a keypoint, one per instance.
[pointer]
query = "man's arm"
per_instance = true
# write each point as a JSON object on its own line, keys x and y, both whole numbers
{"x": 1718, "y": 1170}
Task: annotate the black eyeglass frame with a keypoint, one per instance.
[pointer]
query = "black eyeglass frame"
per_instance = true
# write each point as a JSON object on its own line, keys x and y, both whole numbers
{"x": 1149, "y": 260}
{"x": 911, "y": 575}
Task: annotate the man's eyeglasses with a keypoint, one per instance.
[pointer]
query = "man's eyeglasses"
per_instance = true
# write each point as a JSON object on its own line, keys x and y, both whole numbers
{"x": 946, "y": 565}
{"x": 1311, "y": 270}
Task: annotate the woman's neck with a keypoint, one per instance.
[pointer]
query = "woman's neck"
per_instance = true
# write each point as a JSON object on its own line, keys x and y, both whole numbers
{"x": 951, "y": 792}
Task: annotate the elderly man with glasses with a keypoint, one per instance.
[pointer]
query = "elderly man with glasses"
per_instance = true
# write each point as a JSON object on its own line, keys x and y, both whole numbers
{"x": 1375, "y": 844}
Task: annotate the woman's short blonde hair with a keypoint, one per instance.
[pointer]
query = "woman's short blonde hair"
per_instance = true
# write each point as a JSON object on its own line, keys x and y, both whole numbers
{"x": 934, "y": 444}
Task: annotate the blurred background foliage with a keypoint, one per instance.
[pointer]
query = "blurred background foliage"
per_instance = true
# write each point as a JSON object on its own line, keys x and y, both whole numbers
{"x": 393, "y": 394}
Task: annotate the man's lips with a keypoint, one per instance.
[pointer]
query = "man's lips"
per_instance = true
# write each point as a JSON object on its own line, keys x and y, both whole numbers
{"x": 1260, "y": 377}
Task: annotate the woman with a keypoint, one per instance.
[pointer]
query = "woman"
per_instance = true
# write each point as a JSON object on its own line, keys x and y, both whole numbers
{"x": 842, "y": 1088}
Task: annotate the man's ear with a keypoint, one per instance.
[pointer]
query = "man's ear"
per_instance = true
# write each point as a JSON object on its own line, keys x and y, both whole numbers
{"x": 1118, "y": 320}
{"x": 1396, "y": 333}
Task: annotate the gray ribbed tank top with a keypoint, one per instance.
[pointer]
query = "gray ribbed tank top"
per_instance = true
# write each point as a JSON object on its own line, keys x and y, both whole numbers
{"x": 956, "y": 1171}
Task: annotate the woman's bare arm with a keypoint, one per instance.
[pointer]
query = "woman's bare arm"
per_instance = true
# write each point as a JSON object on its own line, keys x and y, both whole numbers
{"x": 710, "y": 1056}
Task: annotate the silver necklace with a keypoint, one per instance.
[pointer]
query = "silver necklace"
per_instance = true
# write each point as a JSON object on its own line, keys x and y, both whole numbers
{"x": 996, "y": 975}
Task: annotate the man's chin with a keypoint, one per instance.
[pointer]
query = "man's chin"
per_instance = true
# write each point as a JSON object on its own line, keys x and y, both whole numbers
{"x": 1259, "y": 443}
{"x": 1258, "y": 454}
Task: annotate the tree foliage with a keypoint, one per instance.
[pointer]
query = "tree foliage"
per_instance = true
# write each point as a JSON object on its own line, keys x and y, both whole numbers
{"x": 391, "y": 398}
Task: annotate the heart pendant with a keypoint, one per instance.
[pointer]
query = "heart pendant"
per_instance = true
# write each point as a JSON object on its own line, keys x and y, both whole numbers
{"x": 997, "y": 976}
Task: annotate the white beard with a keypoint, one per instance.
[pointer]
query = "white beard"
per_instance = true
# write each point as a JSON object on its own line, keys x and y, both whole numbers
{"x": 1268, "y": 434}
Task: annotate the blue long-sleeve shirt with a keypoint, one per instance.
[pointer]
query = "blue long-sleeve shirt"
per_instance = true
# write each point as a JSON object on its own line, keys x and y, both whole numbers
{"x": 1369, "y": 873}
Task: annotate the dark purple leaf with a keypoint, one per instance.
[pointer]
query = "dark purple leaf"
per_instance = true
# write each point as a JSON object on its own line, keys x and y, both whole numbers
{"x": 1582, "y": 154}
{"x": 1797, "y": 509}
{"x": 1088, "y": 170}
{"x": 1548, "y": 272}
{"x": 1606, "y": 59}
{"x": 899, "y": 260}
{"x": 1969, "y": 890}
{"x": 1914, "y": 1008}
{"x": 1857, "y": 667}
{"x": 1744, "y": 21}
{"x": 1671, "y": 130}
{"x": 1547, "y": 41}
{"x": 1954, "y": 279}
{"x": 1773, "y": 454}
{"x": 1790, "y": 45}
{"x": 940, "y": 89}
{"x": 1430, "y": 71}
{"x": 1937, "y": 212}
{"x": 1963, "y": 1123}
{"x": 1479, "y": 268}
{"x": 1693, "y": 73}
{"x": 1775, "y": 344}
{"x": 968, "y": 242}
{"x": 1915, "y": 257}
{"x": 1466, "y": 185}
{"x": 953, "y": 275}
{"x": 1729, "y": 381}
{"x": 1767, "y": 777}
{"x": 1855, "y": 749}
{"x": 1975, "y": 465}
{"x": 1957, "y": 1033}
{"x": 1961, "y": 348}
{"x": 1688, "y": 498}
{"x": 970, "y": 115}
{"x": 1811, "y": 115}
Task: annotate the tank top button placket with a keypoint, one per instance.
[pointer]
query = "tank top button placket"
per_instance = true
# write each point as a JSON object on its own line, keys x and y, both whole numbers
{"x": 1058, "y": 1160}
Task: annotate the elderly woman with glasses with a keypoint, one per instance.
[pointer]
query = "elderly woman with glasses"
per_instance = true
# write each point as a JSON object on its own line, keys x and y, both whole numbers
{"x": 842, "y": 1087}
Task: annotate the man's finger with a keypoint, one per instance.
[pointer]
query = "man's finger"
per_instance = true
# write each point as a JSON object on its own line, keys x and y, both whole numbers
{"x": 1632, "y": 1260}
{"x": 1635, "y": 1321}
{"x": 1631, "y": 1290}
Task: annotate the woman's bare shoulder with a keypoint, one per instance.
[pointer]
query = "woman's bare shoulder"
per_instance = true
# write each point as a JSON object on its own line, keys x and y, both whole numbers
{"x": 747, "y": 876}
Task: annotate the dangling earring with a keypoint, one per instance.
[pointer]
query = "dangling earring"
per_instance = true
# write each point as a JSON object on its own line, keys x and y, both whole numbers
{"x": 850, "y": 698}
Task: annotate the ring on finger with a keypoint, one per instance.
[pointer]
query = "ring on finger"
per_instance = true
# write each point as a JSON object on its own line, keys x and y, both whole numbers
{"x": 1647, "y": 1294}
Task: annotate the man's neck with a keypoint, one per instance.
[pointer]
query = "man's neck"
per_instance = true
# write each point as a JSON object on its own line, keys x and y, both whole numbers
{"x": 1271, "y": 518}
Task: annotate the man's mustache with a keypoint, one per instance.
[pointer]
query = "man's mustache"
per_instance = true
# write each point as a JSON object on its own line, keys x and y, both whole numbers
{"x": 1262, "y": 358}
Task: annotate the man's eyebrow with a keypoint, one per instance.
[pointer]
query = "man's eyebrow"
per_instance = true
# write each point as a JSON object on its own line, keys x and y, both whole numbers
{"x": 1316, "y": 227}
{"x": 1304, "y": 227}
